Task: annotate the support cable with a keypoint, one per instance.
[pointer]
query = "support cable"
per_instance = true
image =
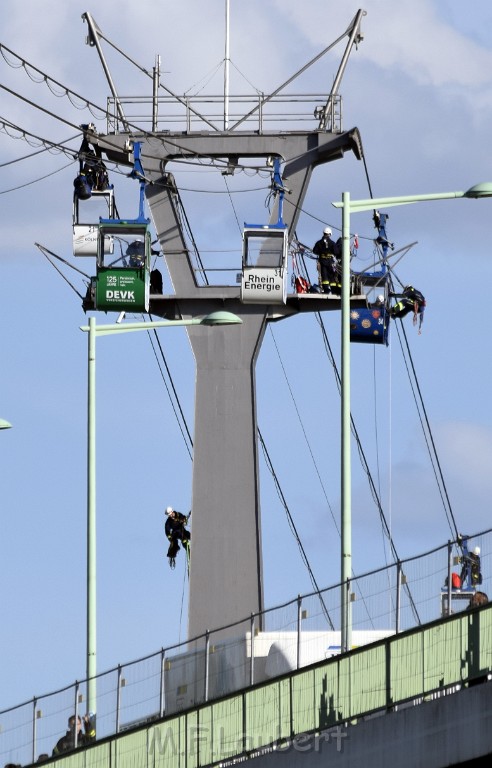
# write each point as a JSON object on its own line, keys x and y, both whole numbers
{"x": 232, "y": 204}
{"x": 305, "y": 433}
{"x": 427, "y": 431}
{"x": 294, "y": 530}
{"x": 186, "y": 227}
{"x": 47, "y": 145}
{"x": 183, "y": 425}
{"x": 45, "y": 252}
{"x": 101, "y": 113}
{"x": 331, "y": 358}
{"x": 365, "y": 465}
{"x": 35, "y": 181}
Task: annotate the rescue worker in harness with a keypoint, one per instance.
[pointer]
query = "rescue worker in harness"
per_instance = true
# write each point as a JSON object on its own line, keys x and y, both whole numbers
{"x": 410, "y": 300}
{"x": 471, "y": 573}
{"x": 328, "y": 253}
{"x": 176, "y": 532}
{"x": 93, "y": 175}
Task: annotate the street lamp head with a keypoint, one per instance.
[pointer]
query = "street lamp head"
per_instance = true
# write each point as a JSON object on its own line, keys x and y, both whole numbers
{"x": 214, "y": 318}
{"x": 480, "y": 190}
{"x": 221, "y": 318}
{"x": 4, "y": 424}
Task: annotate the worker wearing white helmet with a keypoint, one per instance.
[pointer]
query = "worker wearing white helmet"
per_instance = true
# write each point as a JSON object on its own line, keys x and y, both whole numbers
{"x": 471, "y": 572}
{"x": 475, "y": 567}
{"x": 175, "y": 532}
{"x": 329, "y": 263}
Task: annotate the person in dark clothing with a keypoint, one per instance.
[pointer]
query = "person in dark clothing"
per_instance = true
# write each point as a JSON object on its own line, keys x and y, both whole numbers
{"x": 84, "y": 737}
{"x": 93, "y": 175}
{"x": 329, "y": 268}
{"x": 410, "y": 300}
{"x": 471, "y": 573}
{"x": 136, "y": 253}
{"x": 156, "y": 281}
{"x": 176, "y": 532}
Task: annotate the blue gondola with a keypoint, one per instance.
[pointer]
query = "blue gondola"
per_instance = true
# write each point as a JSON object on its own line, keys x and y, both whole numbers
{"x": 369, "y": 323}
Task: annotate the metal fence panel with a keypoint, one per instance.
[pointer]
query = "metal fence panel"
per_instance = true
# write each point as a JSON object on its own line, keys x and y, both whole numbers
{"x": 406, "y": 667}
{"x": 131, "y": 752}
{"x": 368, "y": 675}
{"x": 443, "y": 655}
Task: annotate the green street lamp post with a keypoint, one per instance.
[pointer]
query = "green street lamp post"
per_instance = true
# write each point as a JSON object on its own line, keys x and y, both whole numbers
{"x": 349, "y": 206}
{"x": 215, "y": 318}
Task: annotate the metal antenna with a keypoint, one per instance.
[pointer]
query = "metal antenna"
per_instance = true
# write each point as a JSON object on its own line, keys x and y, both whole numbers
{"x": 226, "y": 68}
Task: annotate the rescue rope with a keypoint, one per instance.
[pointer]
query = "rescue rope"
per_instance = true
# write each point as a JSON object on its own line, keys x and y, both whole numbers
{"x": 294, "y": 530}
{"x": 426, "y": 430}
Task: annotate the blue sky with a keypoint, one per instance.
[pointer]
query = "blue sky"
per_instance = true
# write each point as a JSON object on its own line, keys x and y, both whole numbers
{"x": 419, "y": 88}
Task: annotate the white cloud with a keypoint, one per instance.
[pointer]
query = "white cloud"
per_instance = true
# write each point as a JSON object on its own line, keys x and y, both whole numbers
{"x": 409, "y": 36}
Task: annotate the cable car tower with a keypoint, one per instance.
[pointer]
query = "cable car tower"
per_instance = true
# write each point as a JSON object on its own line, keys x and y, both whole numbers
{"x": 226, "y": 557}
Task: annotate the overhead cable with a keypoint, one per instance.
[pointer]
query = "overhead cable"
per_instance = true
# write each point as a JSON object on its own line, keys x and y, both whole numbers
{"x": 294, "y": 530}
{"x": 427, "y": 431}
{"x": 45, "y": 78}
{"x": 35, "y": 181}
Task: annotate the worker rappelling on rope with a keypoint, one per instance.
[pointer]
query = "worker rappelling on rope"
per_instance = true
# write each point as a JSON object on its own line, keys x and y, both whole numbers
{"x": 92, "y": 171}
{"x": 176, "y": 531}
{"x": 410, "y": 300}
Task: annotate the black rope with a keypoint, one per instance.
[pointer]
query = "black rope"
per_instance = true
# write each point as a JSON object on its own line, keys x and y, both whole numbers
{"x": 365, "y": 466}
{"x": 427, "y": 431}
{"x": 294, "y": 530}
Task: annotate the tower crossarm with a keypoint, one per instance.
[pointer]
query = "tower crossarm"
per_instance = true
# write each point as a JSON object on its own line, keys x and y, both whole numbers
{"x": 300, "y": 151}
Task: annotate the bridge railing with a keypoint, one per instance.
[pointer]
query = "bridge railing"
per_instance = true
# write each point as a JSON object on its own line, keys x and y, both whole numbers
{"x": 297, "y": 634}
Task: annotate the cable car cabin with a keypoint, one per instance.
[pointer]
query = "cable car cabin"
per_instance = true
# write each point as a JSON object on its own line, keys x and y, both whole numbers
{"x": 123, "y": 279}
{"x": 86, "y": 215}
{"x": 369, "y": 324}
{"x": 264, "y": 276}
